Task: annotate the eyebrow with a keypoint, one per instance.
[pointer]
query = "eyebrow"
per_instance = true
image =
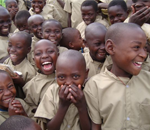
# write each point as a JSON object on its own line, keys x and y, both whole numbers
{"x": 136, "y": 42}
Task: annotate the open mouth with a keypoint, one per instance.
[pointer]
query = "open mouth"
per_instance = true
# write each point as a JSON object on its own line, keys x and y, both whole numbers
{"x": 47, "y": 66}
{"x": 37, "y": 10}
{"x": 5, "y": 30}
{"x": 138, "y": 64}
{"x": 7, "y": 99}
{"x": 12, "y": 56}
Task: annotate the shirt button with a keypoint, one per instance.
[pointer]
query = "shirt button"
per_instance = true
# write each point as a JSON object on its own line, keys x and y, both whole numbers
{"x": 127, "y": 86}
{"x": 128, "y": 118}
{"x": 68, "y": 126}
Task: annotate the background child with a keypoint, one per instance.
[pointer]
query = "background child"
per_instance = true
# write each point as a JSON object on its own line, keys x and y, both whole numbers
{"x": 59, "y": 5}
{"x": 114, "y": 96}
{"x": 66, "y": 99}
{"x": 19, "y": 46}
{"x": 12, "y": 7}
{"x": 89, "y": 10}
{"x": 95, "y": 41}
{"x": 46, "y": 10}
{"x": 10, "y": 106}
{"x": 35, "y": 25}
{"x": 73, "y": 8}
{"x": 21, "y": 21}
{"x": 45, "y": 56}
{"x": 18, "y": 122}
{"x": 5, "y": 25}
{"x": 117, "y": 11}
{"x": 72, "y": 39}
{"x": 52, "y": 30}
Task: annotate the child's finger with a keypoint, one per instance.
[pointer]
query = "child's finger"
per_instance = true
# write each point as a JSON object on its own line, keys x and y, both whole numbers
{"x": 73, "y": 99}
{"x": 79, "y": 86}
{"x": 74, "y": 94}
{"x": 68, "y": 96}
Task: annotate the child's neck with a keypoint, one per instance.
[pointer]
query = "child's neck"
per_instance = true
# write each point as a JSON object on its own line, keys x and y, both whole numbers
{"x": 119, "y": 72}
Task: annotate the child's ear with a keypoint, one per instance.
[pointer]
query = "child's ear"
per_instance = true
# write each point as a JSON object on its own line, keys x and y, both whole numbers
{"x": 71, "y": 45}
{"x": 109, "y": 46}
{"x": 29, "y": 49}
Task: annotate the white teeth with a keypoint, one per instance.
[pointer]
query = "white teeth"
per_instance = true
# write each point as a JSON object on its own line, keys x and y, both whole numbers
{"x": 140, "y": 63}
{"x": 5, "y": 30}
{"x": 45, "y": 63}
{"x": 13, "y": 56}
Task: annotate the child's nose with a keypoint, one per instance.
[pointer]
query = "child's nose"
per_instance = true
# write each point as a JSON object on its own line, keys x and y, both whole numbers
{"x": 143, "y": 53}
{"x": 7, "y": 92}
{"x": 68, "y": 82}
{"x": 44, "y": 55}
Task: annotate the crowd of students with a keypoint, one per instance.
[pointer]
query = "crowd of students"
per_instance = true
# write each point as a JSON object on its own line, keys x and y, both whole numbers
{"x": 77, "y": 65}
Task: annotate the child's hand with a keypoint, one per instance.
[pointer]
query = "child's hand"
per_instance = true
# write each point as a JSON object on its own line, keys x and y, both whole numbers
{"x": 140, "y": 17}
{"x": 15, "y": 108}
{"x": 64, "y": 95}
{"x": 18, "y": 80}
{"x": 77, "y": 96}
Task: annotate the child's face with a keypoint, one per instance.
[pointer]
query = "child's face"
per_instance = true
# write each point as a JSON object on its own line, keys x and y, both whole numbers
{"x": 96, "y": 45}
{"x": 130, "y": 53}
{"x": 88, "y": 14}
{"x": 36, "y": 27}
{"x": 22, "y": 25}
{"x": 12, "y": 7}
{"x": 70, "y": 73}
{"x": 45, "y": 56}
{"x": 5, "y": 24}
{"x": 78, "y": 41}
{"x": 38, "y": 5}
{"x": 141, "y": 4}
{"x": 116, "y": 14}
{"x": 52, "y": 31}
{"x": 17, "y": 49}
{"x": 7, "y": 90}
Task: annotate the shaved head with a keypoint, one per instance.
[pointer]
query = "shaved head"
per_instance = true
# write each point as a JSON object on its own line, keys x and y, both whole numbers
{"x": 70, "y": 56}
{"x": 94, "y": 29}
{"x": 3, "y": 11}
{"x": 118, "y": 31}
{"x": 34, "y": 17}
{"x": 68, "y": 36}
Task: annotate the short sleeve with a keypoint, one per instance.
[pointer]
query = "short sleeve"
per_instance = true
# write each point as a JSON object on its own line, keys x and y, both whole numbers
{"x": 90, "y": 92}
{"x": 67, "y": 6}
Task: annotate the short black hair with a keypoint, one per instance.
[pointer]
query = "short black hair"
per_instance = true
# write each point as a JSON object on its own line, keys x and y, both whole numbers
{"x": 52, "y": 20}
{"x": 90, "y": 3}
{"x": 26, "y": 36}
{"x": 16, "y": 122}
{"x": 23, "y": 14}
{"x": 121, "y": 3}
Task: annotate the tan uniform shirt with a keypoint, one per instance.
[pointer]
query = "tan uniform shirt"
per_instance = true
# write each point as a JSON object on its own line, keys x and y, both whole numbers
{"x": 49, "y": 12}
{"x": 63, "y": 13}
{"x": 93, "y": 66}
{"x": 27, "y": 70}
{"x": 82, "y": 26}
{"x": 36, "y": 88}
{"x": 3, "y": 46}
{"x": 49, "y": 107}
{"x": 61, "y": 49}
{"x": 119, "y": 103}
{"x": 13, "y": 27}
{"x": 4, "y": 114}
{"x": 74, "y": 7}
{"x": 21, "y": 5}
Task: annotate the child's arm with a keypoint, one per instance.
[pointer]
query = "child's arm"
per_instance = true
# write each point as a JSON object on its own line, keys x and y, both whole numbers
{"x": 69, "y": 20}
{"x": 96, "y": 126}
{"x": 77, "y": 97}
{"x": 61, "y": 3}
{"x": 64, "y": 103}
{"x": 15, "y": 108}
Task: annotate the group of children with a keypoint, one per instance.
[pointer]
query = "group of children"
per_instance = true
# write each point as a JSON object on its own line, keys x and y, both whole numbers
{"x": 88, "y": 73}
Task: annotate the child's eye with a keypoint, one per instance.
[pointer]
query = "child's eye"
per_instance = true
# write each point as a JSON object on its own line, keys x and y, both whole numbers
{"x": 19, "y": 47}
{"x": 61, "y": 77}
{"x": 50, "y": 51}
{"x": 75, "y": 76}
{"x": 136, "y": 48}
{"x": 1, "y": 90}
{"x": 37, "y": 54}
{"x": 57, "y": 31}
{"x": 97, "y": 44}
{"x": 11, "y": 86}
{"x": 9, "y": 45}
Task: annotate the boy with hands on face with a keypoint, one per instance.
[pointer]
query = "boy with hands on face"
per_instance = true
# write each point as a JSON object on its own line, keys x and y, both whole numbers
{"x": 65, "y": 103}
